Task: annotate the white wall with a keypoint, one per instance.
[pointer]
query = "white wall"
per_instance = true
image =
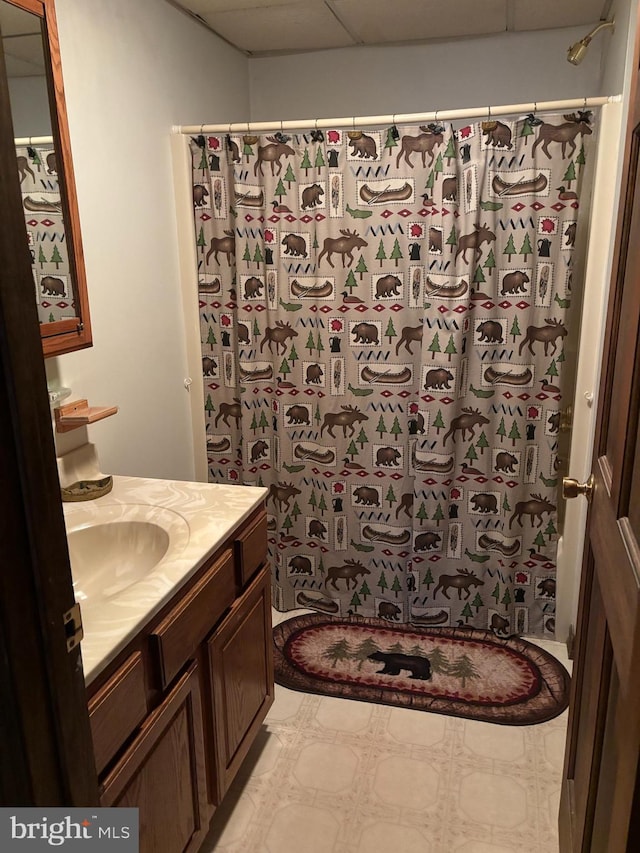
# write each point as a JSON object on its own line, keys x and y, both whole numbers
{"x": 503, "y": 69}
{"x": 131, "y": 71}
{"x": 600, "y": 242}
{"x": 615, "y": 46}
{"x": 617, "y": 70}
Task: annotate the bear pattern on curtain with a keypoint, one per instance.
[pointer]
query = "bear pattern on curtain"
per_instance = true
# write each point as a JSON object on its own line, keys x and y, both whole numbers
{"x": 383, "y": 317}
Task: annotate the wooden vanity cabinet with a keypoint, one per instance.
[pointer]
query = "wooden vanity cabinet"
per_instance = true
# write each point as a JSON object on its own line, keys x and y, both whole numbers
{"x": 174, "y": 717}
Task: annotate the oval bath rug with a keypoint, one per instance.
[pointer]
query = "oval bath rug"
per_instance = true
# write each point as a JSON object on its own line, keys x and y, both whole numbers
{"x": 464, "y": 672}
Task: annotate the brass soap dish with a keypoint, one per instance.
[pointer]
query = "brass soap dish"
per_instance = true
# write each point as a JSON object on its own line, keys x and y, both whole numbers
{"x": 87, "y": 490}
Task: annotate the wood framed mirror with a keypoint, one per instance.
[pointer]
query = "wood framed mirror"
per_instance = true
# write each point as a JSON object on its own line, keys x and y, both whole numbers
{"x": 45, "y": 168}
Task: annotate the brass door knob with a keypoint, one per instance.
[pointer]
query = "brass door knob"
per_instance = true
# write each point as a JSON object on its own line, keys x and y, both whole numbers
{"x": 572, "y": 488}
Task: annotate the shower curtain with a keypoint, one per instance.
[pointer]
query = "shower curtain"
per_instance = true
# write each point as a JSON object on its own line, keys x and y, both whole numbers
{"x": 383, "y": 313}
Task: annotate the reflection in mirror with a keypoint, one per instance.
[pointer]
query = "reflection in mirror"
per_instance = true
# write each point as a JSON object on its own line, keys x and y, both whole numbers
{"x": 37, "y": 104}
{"x": 45, "y": 228}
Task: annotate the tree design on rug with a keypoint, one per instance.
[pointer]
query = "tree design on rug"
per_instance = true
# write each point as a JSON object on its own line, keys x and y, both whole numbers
{"x": 439, "y": 661}
{"x": 337, "y": 651}
{"x": 363, "y": 650}
{"x": 463, "y": 669}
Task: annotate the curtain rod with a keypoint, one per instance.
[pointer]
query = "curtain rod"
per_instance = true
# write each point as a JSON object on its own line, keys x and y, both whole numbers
{"x": 398, "y": 118}
{"x": 33, "y": 140}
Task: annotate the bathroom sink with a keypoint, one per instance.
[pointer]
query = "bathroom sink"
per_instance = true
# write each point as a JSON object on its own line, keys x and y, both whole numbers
{"x": 113, "y": 547}
{"x": 118, "y": 554}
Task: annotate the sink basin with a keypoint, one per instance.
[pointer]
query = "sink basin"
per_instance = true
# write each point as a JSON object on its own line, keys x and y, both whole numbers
{"x": 119, "y": 554}
{"x": 113, "y": 547}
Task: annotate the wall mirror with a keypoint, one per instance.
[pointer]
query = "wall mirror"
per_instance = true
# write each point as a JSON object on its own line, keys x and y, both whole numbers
{"x": 45, "y": 169}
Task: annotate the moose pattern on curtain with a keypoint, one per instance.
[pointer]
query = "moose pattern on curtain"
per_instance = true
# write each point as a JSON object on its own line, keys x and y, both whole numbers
{"x": 383, "y": 314}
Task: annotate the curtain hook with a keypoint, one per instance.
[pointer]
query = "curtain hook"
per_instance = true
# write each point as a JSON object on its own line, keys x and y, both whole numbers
{"x": 489, "y": 113}
{"x": 435, "y": 118}
{"x": 354, "y": 122}
{"x": 229, "y": 131}
{"x": 535, "y": 107}
{"x": 584, "y": 106}
{"x": 281, "y": 126}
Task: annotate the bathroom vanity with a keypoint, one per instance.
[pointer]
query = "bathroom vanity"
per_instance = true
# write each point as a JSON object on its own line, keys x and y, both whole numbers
{"x": 178, "y": 663}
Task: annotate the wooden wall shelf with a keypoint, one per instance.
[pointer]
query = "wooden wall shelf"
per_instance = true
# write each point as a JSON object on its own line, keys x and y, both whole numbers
{"x": 80, "y": 413}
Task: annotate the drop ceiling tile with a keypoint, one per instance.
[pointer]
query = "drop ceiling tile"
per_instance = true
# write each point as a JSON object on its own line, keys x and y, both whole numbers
{"x": 411, "y": 20}
{"x": 549, "y": 14}
{"x": 292, "y": 27}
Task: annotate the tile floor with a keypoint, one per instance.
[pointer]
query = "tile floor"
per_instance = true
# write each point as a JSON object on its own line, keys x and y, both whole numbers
{"x": 331, "y": 775}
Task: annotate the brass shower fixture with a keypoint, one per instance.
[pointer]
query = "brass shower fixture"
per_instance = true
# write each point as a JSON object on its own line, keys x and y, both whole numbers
{"x": 576, "y": 52}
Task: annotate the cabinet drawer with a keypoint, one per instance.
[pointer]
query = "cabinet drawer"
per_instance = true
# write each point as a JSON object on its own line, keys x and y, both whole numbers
{"x": 177, "y": 636}
{"x": 117, "y": 710}
{"x": 251, "y": 549}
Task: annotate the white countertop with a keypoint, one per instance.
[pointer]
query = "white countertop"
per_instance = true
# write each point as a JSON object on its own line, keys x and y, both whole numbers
{"x": 211, "y": 511}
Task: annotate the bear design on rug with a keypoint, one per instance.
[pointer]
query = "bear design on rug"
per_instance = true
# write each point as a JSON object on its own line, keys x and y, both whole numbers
{"x": 419, "y": 667}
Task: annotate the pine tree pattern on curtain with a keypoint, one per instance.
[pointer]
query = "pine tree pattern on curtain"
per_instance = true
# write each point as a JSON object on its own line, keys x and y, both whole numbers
{"x": 383, "y": 314}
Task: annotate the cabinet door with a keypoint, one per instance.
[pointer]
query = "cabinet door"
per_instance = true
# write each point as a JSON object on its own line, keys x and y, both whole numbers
{"x": 162, "y": 773}
{"x": 241, "y": 668}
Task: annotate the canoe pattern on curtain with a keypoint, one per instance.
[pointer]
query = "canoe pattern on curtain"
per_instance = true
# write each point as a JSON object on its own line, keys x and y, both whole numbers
{"x": 383, "y": 318}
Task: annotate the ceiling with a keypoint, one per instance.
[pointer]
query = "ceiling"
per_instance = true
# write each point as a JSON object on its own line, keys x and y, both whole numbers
{"x": 265, "y": 27}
